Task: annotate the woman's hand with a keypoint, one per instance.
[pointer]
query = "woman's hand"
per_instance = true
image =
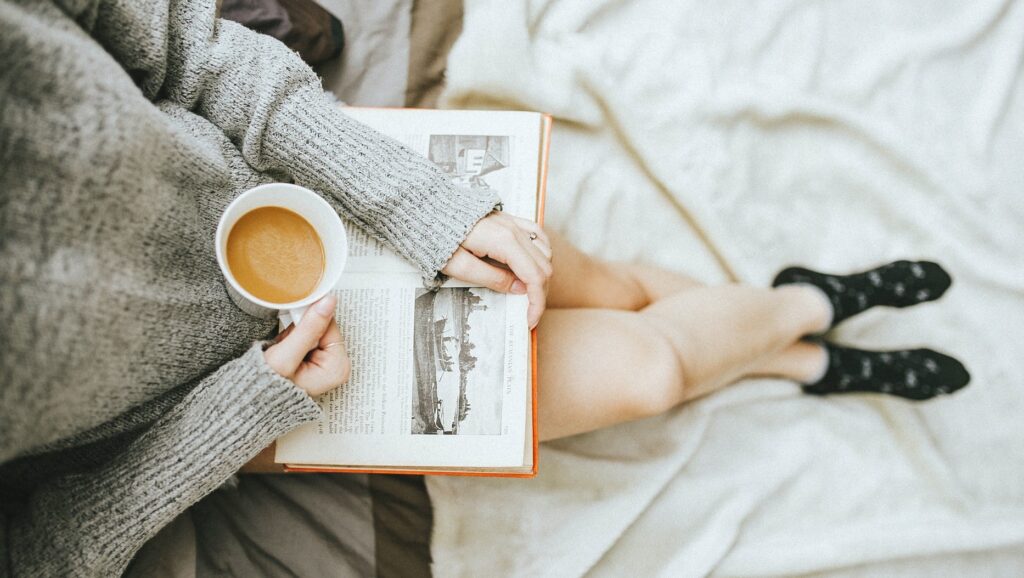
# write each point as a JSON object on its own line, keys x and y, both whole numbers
{"x": 518, "y": 244}
{"x": 312, "y": 354}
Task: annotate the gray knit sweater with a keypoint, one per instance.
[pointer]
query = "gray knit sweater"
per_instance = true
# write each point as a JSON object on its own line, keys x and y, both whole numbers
{"x": 131, "y": 385}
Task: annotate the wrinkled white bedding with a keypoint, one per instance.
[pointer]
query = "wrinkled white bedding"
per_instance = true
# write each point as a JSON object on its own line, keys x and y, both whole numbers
{"x": 373, "y": 66}
{"x": 730, "y": 139}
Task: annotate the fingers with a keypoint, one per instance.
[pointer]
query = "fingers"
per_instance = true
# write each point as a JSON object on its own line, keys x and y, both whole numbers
{"x": 536, "y": 250}
{"x": 312, "y": 354}
{"x": 543, "y": 247}
{"x": 539, "y": 237}
{"x": 468, "y": 267}
{"x": 536, "y": 308}
{"x": 525, "y": 266}
{"x": 328, "y": 366}
{"x": 332, "y": 357}
{"x": 284, "y": 334}
{"x": 286, "y": 355}
{"x": 332, "y": 336}
{"x": 518, "y": 243}
{"x": 535, "y": 239}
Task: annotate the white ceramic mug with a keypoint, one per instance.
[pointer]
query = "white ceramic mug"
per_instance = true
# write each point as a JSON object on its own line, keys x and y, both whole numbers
{"x": 309, "y": 206}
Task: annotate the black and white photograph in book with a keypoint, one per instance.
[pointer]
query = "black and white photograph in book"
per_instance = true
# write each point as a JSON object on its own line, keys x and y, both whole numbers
{"x": 459, "y": 347}
{"x": 469, "y": 159}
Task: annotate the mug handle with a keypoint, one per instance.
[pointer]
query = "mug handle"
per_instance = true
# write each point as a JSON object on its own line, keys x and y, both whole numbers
{"x": 293, "y": 315}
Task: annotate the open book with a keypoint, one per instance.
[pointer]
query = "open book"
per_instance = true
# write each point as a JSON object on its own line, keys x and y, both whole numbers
{"x": 442, "y": 381}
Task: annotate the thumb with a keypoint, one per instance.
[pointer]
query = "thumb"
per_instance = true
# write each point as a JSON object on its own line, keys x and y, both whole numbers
{"x": 286, "y": 355}
{"x": 468, "y": 267}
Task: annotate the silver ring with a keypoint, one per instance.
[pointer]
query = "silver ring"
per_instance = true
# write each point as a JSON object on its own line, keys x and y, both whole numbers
{"x": 335, "y": 344}
{"x": 533, "y": 236}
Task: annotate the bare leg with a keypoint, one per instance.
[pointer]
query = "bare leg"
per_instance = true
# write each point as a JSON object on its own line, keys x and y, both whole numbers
{"x": 658, "y": 283}
{"x": 637, "y": 285}
{"x": 724, "y": 333}
{"x": 600, "y": 367}
{"x": 581, "y": 281}
{"x": 801, "y": 362}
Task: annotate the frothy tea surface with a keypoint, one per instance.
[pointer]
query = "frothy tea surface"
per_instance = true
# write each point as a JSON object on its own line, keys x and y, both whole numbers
{"x": 275, "y": 254}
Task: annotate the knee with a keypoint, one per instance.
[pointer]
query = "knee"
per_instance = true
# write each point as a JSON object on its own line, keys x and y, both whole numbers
{"x": 658, "y": 385}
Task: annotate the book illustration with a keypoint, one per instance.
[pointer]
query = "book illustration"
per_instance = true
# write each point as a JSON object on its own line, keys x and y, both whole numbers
{"x": 459, "y": 351}
{"x": 469, "y": 158}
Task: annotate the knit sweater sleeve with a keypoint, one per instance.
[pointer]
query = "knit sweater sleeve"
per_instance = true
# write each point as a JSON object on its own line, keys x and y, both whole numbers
{"x": 92, "y": 524}
{"x": 272, "y": 107}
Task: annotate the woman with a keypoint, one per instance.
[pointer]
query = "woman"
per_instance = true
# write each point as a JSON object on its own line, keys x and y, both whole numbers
{"x": 131, "y": 384}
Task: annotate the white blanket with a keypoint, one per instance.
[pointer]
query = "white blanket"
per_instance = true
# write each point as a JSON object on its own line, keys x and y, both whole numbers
{"x": 733, "y": 138}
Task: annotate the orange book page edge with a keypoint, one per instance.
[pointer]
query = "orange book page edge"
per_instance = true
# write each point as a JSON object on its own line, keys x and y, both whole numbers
{"x": 542, "y": 189}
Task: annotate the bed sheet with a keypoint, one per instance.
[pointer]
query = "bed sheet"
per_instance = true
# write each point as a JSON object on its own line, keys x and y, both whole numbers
{"x": 373, "y": 66}
{"x": 728, "y": 140}
{"x": 395, "y": 53}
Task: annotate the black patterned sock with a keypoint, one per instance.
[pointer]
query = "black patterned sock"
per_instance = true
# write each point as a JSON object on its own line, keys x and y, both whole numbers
{"x": 914, "y": 373}
{"x": 898, "y": 284}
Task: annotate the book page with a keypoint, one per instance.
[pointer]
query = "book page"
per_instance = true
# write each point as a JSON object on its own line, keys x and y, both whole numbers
{"x": 439, "y": 378}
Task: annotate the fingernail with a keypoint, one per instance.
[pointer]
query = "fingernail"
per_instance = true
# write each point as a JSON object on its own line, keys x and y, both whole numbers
{"x": 518, "y": 287}
{"x": 326, "y": 305}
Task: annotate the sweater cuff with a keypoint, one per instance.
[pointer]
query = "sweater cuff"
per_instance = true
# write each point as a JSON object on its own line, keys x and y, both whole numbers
{"x": 93, "y": 523}
{"x": 395, "y": 194}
